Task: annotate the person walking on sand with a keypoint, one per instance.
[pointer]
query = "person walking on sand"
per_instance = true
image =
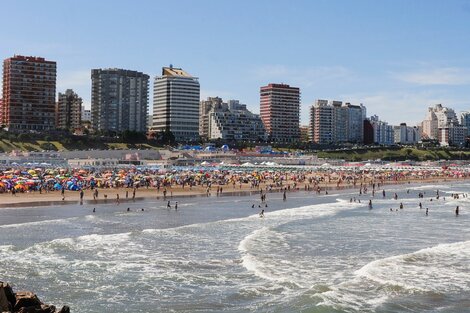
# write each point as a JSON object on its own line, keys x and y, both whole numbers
{"x": 117, "y": 198}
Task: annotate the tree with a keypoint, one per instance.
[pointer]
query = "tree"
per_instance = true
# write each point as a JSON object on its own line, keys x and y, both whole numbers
{"x": 166, "y": 137}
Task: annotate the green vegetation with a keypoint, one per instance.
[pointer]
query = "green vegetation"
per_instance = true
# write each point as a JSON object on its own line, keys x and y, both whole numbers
{"x": 67, "y": 145}
{"x": 397, "y": 154}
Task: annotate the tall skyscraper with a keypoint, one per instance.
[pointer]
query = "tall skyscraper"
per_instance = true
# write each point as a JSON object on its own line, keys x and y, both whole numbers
{"x": 29, "y": 85}
{"x": 176, "y": 104}
{"x": 69, "y": 110}
{"x": 119, "y": 100}
{"x": 280, "y": 112}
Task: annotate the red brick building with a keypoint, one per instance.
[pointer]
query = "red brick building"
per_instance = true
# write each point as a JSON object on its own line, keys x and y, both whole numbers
{"x": 29, "y": 86}
{"x": 280, "y": 112}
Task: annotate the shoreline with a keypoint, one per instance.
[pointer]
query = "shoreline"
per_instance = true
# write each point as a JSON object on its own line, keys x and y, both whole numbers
{"x": 36, "y": 199}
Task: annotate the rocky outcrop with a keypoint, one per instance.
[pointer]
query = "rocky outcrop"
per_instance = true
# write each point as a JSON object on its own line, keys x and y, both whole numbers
{"x": 24, "y": 302}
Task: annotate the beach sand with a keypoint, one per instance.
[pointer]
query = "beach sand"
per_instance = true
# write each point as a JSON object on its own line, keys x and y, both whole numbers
{"x": 34, "y": 198}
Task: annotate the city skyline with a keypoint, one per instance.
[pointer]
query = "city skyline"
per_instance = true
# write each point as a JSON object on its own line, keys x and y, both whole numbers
{"x": 395, "y": 57}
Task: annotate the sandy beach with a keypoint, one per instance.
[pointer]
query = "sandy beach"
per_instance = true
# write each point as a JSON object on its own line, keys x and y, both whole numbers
{"x": 112, "y": 194}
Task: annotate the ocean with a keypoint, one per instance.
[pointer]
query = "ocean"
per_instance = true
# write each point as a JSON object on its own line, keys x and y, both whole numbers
{"x": 310, "y": 253}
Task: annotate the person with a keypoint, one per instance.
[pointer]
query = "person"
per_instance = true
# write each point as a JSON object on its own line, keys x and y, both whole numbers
{"x": 94, "y": 210}
{"x": 420, "y": 205}
{"x": 370, "y": 204}
{"x": 457, "y": 211}
{"x": 81, "y": 194}
{"x": 261, "y": 214}
{"x": 401, "y": 205}
{"x": 142, "y": 209}
{"x": 284, "y": 197}
{"x": 168, "y": 205}
{"x": 427, "y": 211}
{"x": 117, "y": 198}
{"x": 128, "y": 209}
{"x": 253, "y": 206}
{"x": 176, "y": 205}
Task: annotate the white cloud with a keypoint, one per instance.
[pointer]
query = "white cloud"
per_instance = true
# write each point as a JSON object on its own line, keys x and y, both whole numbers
{"x": 437, "y": 76}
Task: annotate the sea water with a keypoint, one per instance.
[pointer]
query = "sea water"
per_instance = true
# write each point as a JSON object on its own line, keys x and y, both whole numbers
{"x": 310, "y": 253}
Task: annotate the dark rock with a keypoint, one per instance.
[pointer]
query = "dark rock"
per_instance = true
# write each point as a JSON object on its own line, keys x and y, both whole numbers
{"x": 24, "y": 302}
{"x": 26, "y": 299}
{"x": 7, "y": 297}
{"x": 65, "y": 309}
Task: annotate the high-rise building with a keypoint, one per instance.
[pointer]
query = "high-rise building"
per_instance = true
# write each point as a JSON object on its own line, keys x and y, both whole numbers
{"x": 437, "y": 117}
{"x": 280, "y": 112}
{"x": 86, "y": 115}
{"x": 465, "y": 121}
{"x": 204, "y": 109}
{"x": 406, "y": 134}
{"x": 322, "y": 122}
{"x": 356, "y": 117}
{"x": 119, "y": 100}
{"x": 176, "y": 104}
{"x": 334, "y": 122}
{"x": 383, "y": 132}
{"x": 69, "y": 110}
{"x": 29, "y": 86}
{"x": 232, "y": 121}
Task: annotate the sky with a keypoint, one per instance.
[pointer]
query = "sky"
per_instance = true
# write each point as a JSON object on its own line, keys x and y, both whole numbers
{"x": 397, "y": 57}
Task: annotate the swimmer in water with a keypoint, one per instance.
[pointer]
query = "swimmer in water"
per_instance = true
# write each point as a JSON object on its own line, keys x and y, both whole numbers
{"x": 94, "y": 210}
{"x": 261, "y": 214}
{"x": 128, "y": 209}
{"x": 457, "y": 211}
